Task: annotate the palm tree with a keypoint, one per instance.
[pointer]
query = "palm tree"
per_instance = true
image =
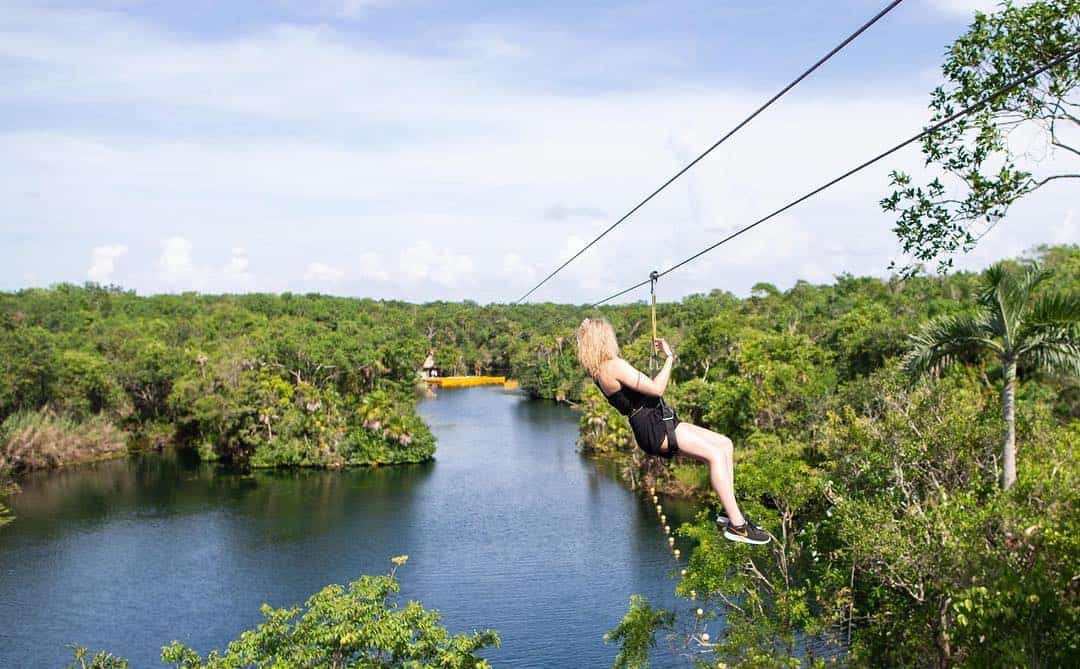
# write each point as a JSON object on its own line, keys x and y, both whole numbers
{"x": 1039, "y": 332}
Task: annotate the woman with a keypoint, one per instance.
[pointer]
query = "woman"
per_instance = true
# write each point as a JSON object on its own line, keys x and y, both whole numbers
{"x": 637, "y": 396}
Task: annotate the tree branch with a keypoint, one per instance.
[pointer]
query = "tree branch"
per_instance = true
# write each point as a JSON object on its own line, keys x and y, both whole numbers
{"x": 1043, "y": 182}
{"x": 753, "y": 568}
{"x": 1064, "y": 146}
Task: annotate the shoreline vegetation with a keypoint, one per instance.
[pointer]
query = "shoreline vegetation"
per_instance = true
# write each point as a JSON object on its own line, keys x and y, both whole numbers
{"x": 895, "y": 540}
{"x": 45, "y": 440}
{"x": 42, "y": 439}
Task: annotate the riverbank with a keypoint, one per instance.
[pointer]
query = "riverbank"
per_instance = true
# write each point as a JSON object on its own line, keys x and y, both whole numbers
{"x": 46, "y": 440}
{"x": 31, "y": 441}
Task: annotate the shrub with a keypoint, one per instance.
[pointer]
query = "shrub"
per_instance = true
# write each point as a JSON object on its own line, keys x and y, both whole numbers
{"x": 362, "y": 625}
{"x": 44, "y": 439}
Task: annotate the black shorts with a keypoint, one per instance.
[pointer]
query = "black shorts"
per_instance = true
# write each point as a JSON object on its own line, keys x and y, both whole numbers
{"x": 650, "y": 431}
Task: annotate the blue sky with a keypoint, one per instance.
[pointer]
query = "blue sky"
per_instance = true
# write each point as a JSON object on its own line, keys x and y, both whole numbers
{"x": 423, "y": 150}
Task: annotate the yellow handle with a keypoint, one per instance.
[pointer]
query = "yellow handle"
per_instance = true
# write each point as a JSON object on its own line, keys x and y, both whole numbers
{"x": 652, "y": 348}
{"x": 654, "y": 316}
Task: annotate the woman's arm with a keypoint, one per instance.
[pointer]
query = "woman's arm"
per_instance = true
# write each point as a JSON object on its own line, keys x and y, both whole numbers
{"x": 629, "y": 376}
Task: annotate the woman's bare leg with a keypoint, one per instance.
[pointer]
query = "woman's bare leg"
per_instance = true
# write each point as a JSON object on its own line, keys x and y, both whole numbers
{"x": 715, "y": 450}
{"x": 725, "y": 445}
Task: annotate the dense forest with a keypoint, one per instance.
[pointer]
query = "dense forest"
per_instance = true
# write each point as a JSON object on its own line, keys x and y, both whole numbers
{"x": 879, "y": 467}
{"x": 253, "y": 380}
{"x": 263, "y": 380}
{"x": 880, "y": 478}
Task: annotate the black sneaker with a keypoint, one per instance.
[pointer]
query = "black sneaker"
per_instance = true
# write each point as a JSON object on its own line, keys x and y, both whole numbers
{"x": 722, "y": 520}
{"x": 747, "y": 533}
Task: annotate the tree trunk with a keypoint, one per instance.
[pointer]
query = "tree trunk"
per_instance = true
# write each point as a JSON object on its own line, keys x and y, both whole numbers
{"x": 1008, "y": 412}
{"x": 944, "y": 644}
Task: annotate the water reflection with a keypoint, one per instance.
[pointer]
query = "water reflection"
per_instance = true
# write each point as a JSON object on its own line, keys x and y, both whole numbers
{"x": 294, "y": 502}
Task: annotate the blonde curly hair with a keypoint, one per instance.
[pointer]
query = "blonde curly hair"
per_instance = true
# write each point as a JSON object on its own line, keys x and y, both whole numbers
{"x": 596, "y": 344}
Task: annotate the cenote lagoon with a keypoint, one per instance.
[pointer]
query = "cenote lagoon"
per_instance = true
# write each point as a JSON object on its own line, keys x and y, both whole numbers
{"x": 510, "y": 528}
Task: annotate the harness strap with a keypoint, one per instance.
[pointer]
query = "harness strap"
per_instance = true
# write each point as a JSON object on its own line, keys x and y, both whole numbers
{"x": 653, "y": 276}
{"x": 669, "y": 425}
{"x": 667, "y": 412}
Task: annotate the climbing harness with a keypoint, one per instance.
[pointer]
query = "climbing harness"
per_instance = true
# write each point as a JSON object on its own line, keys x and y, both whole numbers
{"x": 667, "y": 412}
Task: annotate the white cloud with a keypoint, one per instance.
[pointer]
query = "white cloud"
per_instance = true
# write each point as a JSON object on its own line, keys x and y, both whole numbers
{"x": 516, "y": 269}
{"x": 238, "y": 264}
{"x": 103, "y": 262}
{"x": 486, "y": 44}
{"x": 422, "y": 261}
{"x": 178, "y": 269}
{"x": 593, "y": 271}
{"x": 1069, "y": 230}
{"x": 318, "y": 271}
{"x": 717, "y": 201}
{"x": 175, "y": 263}
{"x": 1010, "y": 240}
{"x": 370, "y": 266}
{"x": 236, "y": 275}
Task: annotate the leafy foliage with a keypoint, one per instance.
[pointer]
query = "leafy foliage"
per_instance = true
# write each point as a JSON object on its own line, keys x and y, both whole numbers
{"x": 602, "y": 428}
{"x": 362, "y": 625}
{"x": 933, "y": 223}
{"x": 894, "y": 544}
{"x": 1017, "y": 325}
{"x": 636, "y": 633}
{"x": 100, "y": 660}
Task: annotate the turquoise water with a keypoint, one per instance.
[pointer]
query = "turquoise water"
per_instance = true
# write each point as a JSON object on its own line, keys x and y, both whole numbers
{"x": 510, "y": 528}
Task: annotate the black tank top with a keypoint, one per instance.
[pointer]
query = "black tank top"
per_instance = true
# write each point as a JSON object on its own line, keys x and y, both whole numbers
{"x": 627, "y": 400}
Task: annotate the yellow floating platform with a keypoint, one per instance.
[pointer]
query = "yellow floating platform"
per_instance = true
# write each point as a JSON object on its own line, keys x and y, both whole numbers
{"x": 468, "y": 381}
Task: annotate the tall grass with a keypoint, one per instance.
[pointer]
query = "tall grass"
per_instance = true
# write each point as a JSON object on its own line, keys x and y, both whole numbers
{"x": 5, "y": 513}
{"x": 43, "y": 440}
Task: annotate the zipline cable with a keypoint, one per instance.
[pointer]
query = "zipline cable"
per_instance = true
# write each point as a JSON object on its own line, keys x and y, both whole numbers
{"x": 929, "y": 130}
{"x": 836, "y": 49}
